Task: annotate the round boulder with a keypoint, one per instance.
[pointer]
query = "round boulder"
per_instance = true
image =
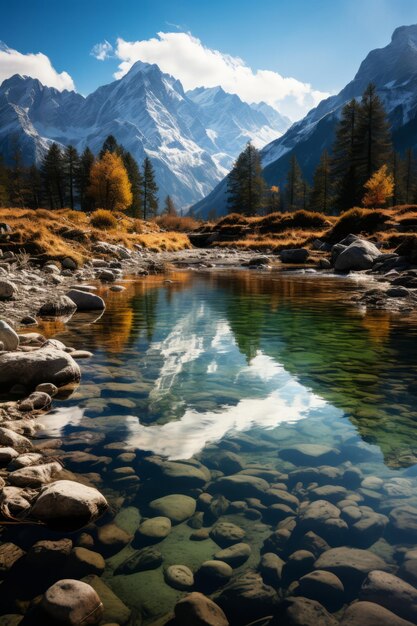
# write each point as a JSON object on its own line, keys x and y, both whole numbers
{"x": 175, "y": 506}
{"x": 198, "y": 610}
{"x": 86, "y": 301}
{"x": 48, "y": 364}
{"x": 322, "y": 586}
{"x": 67, "y": 505}
{"x": 154, "y": 529}
{"x": 72, "y": 602}
{"x": 225, "y": 534}
{"x": 8, "y": 337}
{"x": 371, "y": 614}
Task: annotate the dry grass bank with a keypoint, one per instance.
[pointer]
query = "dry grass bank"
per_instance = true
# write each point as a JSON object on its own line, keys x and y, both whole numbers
{"x": 278, "y": 231}
{"x": 65, "y": 233}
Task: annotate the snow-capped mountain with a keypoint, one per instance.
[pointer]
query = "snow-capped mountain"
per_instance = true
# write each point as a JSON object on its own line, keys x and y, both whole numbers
{"x": 393, "y": 69}
{"x": 230, "y": 123}
{"x": 149, "y": 113}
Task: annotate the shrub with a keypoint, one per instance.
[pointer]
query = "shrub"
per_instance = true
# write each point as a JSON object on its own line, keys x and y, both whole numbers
{"x": 103, "y": 220}
{"x": 177, "y": 222}
{"x": 231, "y": 220}
{"x": 357, "y": 221}
{"x": 401, "y": 209}
{"x": 278, "y": 222}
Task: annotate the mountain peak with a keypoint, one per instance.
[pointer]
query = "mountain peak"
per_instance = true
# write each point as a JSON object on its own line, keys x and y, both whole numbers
{"x": 404, "y": 33}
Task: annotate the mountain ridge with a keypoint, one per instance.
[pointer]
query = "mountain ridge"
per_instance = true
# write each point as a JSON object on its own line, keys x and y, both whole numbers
{"x": 148, "y": 112}
{"x": 393, "y": 69}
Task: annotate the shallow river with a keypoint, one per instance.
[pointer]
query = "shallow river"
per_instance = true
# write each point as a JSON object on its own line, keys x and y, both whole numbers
{"x": 233, "y": 368}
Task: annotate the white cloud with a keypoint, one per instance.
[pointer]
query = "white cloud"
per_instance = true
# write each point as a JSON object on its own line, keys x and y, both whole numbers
{"x": 102, "y": 51}
{"x": 186, "y": 58}
{"x": 35, "y": 65}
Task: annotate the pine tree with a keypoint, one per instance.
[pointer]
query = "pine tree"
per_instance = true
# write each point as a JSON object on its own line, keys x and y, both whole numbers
{"x": 109, "y": 183}
{"x": 398, "y": 175}
{"x": 82, "y": 179}
{"x": 245, "y": 184}
{"x": 320, "y": 199}
{"x": 409, "y": 177}
{"x": 70, "y": 162}
{"x": 4, "y": 184}
{"x": 373, "y": 144}
{"x": 53, "y": 176}
{"x": 34, "y": 184}
{"x": 343, "y": 165}
{"x": 295, "y": 190}
{"x": 109, "y": 145}
{"x": 273, "y": 200}
{"x": 16, "y": 178}
{"x": 136, "y": 183}
{"x": 170, "y": 208}
{"x": 378, "y": 188}
{"x": 150, "y": 190}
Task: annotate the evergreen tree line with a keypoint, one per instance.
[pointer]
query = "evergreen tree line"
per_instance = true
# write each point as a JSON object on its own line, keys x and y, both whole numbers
{"x": 67, "y": 179}
{"x": 362, "y": 147}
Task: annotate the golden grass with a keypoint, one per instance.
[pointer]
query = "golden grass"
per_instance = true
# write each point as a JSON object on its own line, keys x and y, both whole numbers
{"x": 182, "y": 224}
{"x": 299, "y": 229}
{"x": 64, "y": 233}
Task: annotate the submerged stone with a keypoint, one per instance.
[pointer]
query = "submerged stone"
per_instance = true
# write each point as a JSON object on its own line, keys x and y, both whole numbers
{"x": 176, "y": 507}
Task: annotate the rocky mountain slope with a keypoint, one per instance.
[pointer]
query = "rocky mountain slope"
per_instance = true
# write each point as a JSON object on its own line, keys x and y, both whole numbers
{"x": 393, "y": 69}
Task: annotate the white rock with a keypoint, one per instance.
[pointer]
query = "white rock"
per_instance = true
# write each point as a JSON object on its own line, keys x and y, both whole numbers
{"x": 35, "y": 475}
{"x": 72, "y": 602}
{"x": 46, "y": 365}
{"x": 68, "y": 505}
{"x": 8, "y": 336}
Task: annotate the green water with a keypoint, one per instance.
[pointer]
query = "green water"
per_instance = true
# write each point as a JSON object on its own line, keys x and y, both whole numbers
{"x": 264, "y": 360}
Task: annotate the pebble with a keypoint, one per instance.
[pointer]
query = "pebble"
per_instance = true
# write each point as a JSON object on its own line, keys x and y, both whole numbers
{"x": 179, "y": 577}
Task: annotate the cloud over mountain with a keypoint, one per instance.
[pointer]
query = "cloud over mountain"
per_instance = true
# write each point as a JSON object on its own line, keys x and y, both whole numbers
{"x": 35, "y": 65}
{"x": 186, "y": 58}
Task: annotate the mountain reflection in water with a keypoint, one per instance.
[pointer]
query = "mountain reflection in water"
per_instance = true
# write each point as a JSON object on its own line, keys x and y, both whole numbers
{"x": 178, "y": 364}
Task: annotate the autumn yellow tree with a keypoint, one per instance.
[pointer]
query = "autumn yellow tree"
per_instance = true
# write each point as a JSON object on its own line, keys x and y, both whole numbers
{"x": 109, "y": 183}
{"x": 379, "y": 188}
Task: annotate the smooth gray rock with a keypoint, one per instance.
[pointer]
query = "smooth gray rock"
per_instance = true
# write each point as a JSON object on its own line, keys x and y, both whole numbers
{"x": 235, "y": 555}
{"x": 294, "y": 255}
{"x": 61, "y": 305}
{"x": 8, "y": 290}
{"x": 175, "y": 506}
{"x": 241, "y": 486}
{"x": 47, "y": 364}
{"x": 359, "y": 255}
{"x": 310, "y": 454}
{"x": 86, "y": 301}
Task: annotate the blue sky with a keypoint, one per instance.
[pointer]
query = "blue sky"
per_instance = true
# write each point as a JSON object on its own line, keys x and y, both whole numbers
{"x": 320, "y": 42}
